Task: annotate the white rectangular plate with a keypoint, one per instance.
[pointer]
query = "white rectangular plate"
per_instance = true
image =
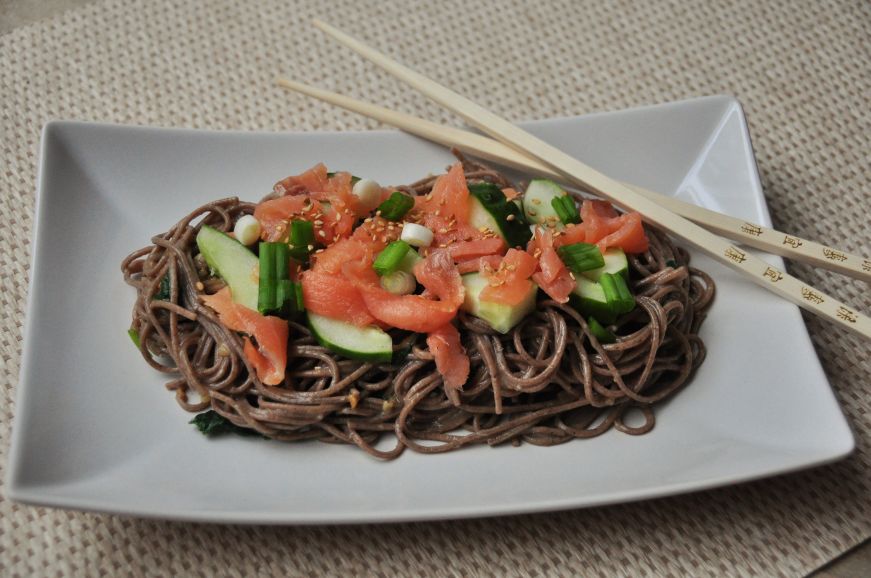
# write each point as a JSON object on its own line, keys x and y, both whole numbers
{"x": 95, "y": 429}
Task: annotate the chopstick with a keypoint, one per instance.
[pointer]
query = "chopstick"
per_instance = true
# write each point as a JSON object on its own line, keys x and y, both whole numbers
{"x": 746, "y": 233}
{"x": 757, "y": 270}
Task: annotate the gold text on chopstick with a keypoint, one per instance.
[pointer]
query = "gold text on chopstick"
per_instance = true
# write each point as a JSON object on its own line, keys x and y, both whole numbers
{"x": 833, "y": 255}
{"x": 846, "y": 314}
{"x": 773, "y": 274}
{"x": 791, "y": 241}
{"x": 751, "y": 229}
{"x": 811, "y": 295}
{"x": 735, "y": 255}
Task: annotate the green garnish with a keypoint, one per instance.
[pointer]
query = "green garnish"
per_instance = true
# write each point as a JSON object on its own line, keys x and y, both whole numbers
{"x": 391, "y": 257}
{"x": 277, "y": 294}
{"x": 617, "y": 293}
{"x": 580, "y": 257}
{"x": 211, "y": 423}
{"x": 566, "y": 209}
{"x": 297, "y": 293}
{"x": 395, "y": 207}
{"x": 134, "y": 337}
{"x": 164, "y": 293}
{"x": 267, "y": 290}
{"x": 671, "y": 263}
{"x": 599, "y": 331}
{"x": 301, "y": 239}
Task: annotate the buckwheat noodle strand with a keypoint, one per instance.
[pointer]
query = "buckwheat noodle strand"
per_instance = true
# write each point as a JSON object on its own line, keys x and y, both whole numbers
{"x": 546, "y": 382}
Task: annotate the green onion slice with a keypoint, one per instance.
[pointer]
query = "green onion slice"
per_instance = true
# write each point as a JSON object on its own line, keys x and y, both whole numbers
{"x": 277, "y": 294}
{"x": 391, "y": 257}
{"x": 301, "y": 237}
{"x": 134, "y": 337}
{"x": 600, "y": 332}
{"x": 396, "y": 206}
{"x": 617, "y": 293}
{"x": 580, "y": 257}
{"x": 566, "y": 209}
{"x": 267, "y": 288}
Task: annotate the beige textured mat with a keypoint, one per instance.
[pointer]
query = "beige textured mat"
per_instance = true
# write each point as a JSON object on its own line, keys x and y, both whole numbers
{"x": 803, "y": 72}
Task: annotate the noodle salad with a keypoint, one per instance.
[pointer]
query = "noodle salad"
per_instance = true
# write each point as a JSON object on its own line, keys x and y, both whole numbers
{"x": 449, "y": 312}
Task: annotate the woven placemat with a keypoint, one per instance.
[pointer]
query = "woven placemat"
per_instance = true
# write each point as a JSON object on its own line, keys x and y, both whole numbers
{"x": 803, "y": 72}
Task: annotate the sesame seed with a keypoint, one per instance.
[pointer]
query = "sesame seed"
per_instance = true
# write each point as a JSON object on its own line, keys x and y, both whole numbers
{"x": 367, "y": 220}
{"x": 510, "y": 218}
{"x": 200, "y": 286}
{"x": 354, "y": 398}
{"x": 322, "y": 233}
{"x": 572, "y": 275}
{"x": 532, "y": 212}
{"x": 310, "y": 247}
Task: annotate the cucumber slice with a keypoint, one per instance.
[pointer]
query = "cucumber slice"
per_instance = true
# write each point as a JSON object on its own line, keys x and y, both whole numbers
{"x": 588, "y": 297}
{"x": 233, "y": 262}
{"x": 501, "y": 317}
{"x": 537, "y": 202}
{"x": 490, "y": 208}
{"x": 364, "y": 343}
{"x": 615, "y": 262}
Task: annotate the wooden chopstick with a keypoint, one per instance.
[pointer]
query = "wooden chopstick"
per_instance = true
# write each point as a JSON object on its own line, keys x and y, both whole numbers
{"x": 757, "y": 270}
{"x": 746, "y": 233}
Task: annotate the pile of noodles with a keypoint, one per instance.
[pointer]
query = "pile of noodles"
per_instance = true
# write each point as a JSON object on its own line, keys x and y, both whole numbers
{"x": 547, "y": 381}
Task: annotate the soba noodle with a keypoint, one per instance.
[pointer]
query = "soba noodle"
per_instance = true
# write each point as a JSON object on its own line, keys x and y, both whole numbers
{"x": 548, "y": 381}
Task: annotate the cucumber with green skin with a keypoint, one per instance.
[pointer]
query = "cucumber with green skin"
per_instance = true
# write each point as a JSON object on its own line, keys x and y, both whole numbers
{"x": 364, "y": 343}
{"x": 588, "y": 297}
{"x": 615, "y": 262}
{"x": 233, "y": 262}
{"x": 501, "y": 317}
{"x": 491, "y": 209}
{"x": 537, "y": 206}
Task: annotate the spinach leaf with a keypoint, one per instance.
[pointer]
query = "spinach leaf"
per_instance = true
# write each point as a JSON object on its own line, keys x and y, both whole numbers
{"x": 211, "y": 423}
{"x": 164, "y": 293}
